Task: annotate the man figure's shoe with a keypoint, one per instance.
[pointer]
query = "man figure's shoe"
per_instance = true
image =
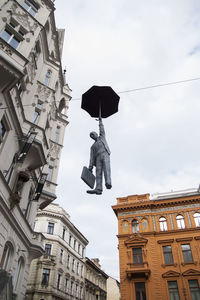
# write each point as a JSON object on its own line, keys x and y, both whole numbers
{"x": 97, "y": 192}
{"x": 108, "y": 186}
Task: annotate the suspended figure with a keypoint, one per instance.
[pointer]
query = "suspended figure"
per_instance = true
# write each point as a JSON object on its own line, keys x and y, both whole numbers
{"x": 100, "y": 158}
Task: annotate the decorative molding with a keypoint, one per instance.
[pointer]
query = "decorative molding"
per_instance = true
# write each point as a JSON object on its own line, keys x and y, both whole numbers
{"x": 171, "y": 274}
{"x": 169, "y": 241}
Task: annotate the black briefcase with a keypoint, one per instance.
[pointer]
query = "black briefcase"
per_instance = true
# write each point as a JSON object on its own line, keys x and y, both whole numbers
{"x": 88, "y": 177}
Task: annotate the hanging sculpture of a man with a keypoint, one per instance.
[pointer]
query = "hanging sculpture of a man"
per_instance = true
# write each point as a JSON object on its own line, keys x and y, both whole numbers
{"x": 100, "y": 158}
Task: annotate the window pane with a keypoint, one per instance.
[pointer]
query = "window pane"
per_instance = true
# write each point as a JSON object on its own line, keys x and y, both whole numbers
{"x": 6, "y": 35}
{"x": 173, "y": 290}
{"x": 140, "y": 291}
{"x": 167, "y": 251}
{"x": 48, "y": 249}
{"x": 187, "y": 253}
{"x": 14, "y": 42}
{"x": 180, "y": 222}
{"x": 135, "y": 226}
{"x": 197, "y": 219}
{"x": 137, "y": 256}
{"x": 50, "y": 228}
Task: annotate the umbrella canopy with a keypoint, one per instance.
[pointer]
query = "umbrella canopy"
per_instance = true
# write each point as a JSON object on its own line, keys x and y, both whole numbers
{"x": 100, "y": 101}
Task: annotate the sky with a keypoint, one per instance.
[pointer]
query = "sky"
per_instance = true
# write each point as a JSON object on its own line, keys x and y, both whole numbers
{"x": 154, "y": 138}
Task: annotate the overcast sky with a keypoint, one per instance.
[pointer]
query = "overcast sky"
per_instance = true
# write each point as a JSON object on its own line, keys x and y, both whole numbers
{"x": 155, "y": 136}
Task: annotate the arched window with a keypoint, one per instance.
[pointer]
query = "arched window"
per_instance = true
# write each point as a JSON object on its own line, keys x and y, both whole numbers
{"x": 163, "y": 224}
{"x": 180, "y": 222}
{"x": 197, "y": 219}
{"x": 135, "y": 226}
{"x": 6, "y": 256}
{"x": 18, "y": 271}
{"x": 47, "y": 77}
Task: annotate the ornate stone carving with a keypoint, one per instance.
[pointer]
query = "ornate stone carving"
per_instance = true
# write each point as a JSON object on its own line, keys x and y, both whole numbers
{"x": 54, "y": 150}
{"x": 6, "y": 48}
{"x": 43, "y": 92}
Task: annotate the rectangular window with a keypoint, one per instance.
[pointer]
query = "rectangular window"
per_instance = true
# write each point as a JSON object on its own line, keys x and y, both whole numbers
{"x": 63, "y": 234}
{"x": 48, "y": 249}
{"x": 194, "y": 289}
{"x": 50, "y": 170}
{"x": 137, "y": 256}
{"x": 57, "y": 134}
{"x": 168, "y": 257}
{"x": 9, "y": 37}
{"x": 173, "y": 290}
{"x": 140, "y": 292}
{"x": 30, "y": 6}
{"x": 77, "y": 268}
{"x": 61, "y": 255}
{"x": 50, "y": 228}
{"x": 70, "y": 240}
{"x": 45, "y": 276}
{"x": 73, "y": 263}
{"x": 58, "y": 281}
{"x": 187, "y": 253}
{"x": 74, "y": 244}
{"x": 66, "y": 284}
{"x": 68, "y": 260}
{"x": 2, "y": 130}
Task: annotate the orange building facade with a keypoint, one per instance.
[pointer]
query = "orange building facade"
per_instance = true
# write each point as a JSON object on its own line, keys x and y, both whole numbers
{"x": 159, "y": 246}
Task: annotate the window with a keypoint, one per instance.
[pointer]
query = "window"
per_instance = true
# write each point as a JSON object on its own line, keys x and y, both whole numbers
{"x": 48, "y": 249}
{"x": 17, "y": 273}
{"x": 77, "y": 268}
{"x": 6, "y": 256}
{"x": 79, "y": 247}
{"x": 72, "y": 285}
{"x": 50, "y": 228}
{"x": 173, "y": 290}
{"x": 63, "y": 234}
{"x": 135, "y": 226}
{"x": 66, "y": 284}
{"x": 180, "y": 222}
{"x": 82, "y": 271}
{"x": 83, "y": 251}
{"x": 45, "y": 276}
{"x": 47, "y": 77}
{"x": 2, "y": 130}
{"x": 57, "y": 134}
{"x": 30, "y": 6}
{"x": 61, "y": 255}
{"x": 163, "y": 224}
{"x": 137, "y": 256}
{"x": 9, "y": 36}
{"x": 187, "y": 253}
{"x": 168, "y": 257}
{"x": 37, "y": 112}
{"x": 73, "y": 263}
{"x": 194, "y": 289}
{"x": 68, "y": 259}
{"x": 197, "y": 219}
{"x": 70, "y": 240}
{"x": 50, "y": 170}
{"x": 140, "y": 292}
{"x": 74, "y": 244}
{"x": 58, "y": 281}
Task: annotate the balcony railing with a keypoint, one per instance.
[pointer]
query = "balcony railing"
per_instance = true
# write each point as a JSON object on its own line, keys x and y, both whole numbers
{"x": 134, "y": 270}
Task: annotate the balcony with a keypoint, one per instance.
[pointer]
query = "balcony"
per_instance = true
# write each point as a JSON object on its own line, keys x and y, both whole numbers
{"x": 138, "y": 270}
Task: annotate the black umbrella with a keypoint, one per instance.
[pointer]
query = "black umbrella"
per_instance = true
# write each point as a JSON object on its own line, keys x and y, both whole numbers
{"x": 100, "y": 101}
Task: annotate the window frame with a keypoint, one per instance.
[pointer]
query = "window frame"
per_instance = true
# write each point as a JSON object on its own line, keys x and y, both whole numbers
{"x": 168, "y": 255}
{"x": 45, "y": 276}
{"x": 138, "y": 256}
{"x": 15, "y": 32}
{"x": 32, "y": 6}
{"x": 174, "y": 290}
{"x": 48, "y": 249}
{"x": 50, "y": 228}
{"x": 197, "y": 219}
{"x": 135, "y": 226}
{"x": 163, "y": 224}
{"x": 180, "y": 221}
{"x": 187, "y": 254}
{"x": 195, "y": 289}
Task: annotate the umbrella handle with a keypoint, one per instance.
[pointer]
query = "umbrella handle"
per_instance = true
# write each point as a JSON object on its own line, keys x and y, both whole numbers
{"x": 99, "y": 109}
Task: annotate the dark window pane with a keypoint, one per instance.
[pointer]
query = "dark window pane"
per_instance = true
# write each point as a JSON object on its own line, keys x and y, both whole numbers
{"x": 168, "y": 257}
{"x": 140, "y": 291}
{"x": 187, "y": 253}
{"x": 137, "y": 256}
{"x": 173, "y": 290}
{"x": 194, "y": 289}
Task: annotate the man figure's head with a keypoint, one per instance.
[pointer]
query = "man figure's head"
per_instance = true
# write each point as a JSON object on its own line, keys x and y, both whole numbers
{"x": 94, "y": 135}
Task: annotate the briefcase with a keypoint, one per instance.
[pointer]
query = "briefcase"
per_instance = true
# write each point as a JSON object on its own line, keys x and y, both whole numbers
{"x": 88, "y": 177}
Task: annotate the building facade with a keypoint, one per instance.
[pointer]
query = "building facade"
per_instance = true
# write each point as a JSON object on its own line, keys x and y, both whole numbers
{"x": 113, "y": 289}
{"x": 34, "y": 100}
{"x": 159, "y": 243}
{"x": 95, "y": 280}
{"x": 59, "y": 273}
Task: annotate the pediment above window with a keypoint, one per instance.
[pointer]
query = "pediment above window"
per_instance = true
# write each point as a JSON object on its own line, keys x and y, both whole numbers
{"x": 191, "y": 272}
{"x": 171, "y": 274}
{"x": 135, "y": 240}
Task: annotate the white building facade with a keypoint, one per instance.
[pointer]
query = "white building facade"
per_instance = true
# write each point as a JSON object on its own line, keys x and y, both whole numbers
{"x": 59, "y": 273}
{"x": 34, "y": 100}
